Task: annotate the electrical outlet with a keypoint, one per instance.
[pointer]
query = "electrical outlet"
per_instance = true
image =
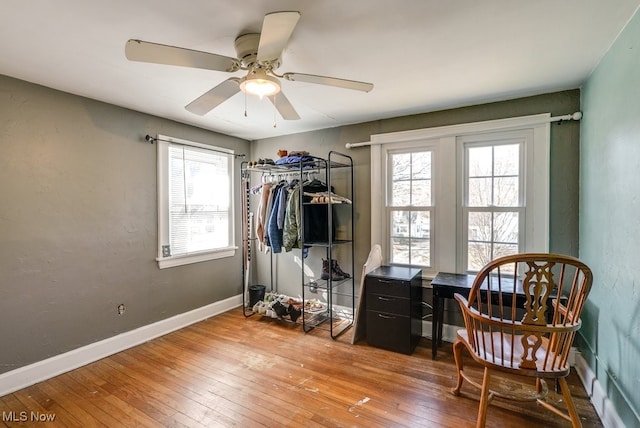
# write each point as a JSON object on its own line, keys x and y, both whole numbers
{"x": 121, "y": 309}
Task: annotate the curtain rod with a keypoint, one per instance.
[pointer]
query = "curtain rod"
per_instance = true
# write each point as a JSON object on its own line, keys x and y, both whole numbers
{"x": 149, "y": 139}
{"x": 575, "y": 116}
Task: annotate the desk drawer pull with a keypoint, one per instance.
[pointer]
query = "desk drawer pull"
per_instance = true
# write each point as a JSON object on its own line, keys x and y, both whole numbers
{"x": 388, "y": 317}
{"x": 385, "y": 299}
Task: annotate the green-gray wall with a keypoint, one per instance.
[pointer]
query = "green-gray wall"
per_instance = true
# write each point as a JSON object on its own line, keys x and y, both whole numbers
{"x": 609, "y": 225}
{"x": 78, "y": 225}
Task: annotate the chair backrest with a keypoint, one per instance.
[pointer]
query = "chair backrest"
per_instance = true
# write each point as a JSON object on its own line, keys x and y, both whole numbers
{"x": 530, "y": 303}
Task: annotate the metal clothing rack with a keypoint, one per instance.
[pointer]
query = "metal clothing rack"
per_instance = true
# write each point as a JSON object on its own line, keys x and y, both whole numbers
{"x": 340, "y": 311}
{"x": 338, "y": 295}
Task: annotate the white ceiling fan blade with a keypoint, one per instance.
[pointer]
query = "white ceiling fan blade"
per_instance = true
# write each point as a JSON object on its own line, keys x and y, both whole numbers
{"x": 276, "y": 32}
{"x": 138, "y": 50}
{"x": 330, "y": 81}
{"x": 284, "y": 107}
{"x": 214, "y": 97}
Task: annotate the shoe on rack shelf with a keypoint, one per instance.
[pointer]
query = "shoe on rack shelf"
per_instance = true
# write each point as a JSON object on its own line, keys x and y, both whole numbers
{"x": 294, "y": 313}
{"x": 329, "y": 272}
{"x": 279, "y": 309}
{"x": 335, "y": 267}
{"x": 260, "y": 307}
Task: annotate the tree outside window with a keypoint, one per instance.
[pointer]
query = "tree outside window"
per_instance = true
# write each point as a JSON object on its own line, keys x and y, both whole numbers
{"x": 493, "y": 201}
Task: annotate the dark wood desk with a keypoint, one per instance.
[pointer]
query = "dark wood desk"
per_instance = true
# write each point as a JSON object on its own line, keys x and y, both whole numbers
{"x": 445, "y": 285}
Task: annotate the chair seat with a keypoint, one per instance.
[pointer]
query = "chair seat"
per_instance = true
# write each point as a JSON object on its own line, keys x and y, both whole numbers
{"x": 503, "y": 352}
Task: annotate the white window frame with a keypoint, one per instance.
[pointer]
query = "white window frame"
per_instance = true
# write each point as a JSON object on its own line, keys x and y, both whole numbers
{"x": 524, "y": 137}
{"x": 163, "y": 143}
{"x": 411, "y": 148}
{"x": 447, "y": 184}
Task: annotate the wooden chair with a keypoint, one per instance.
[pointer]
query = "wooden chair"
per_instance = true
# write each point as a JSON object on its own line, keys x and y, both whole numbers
{"x": 521, "y": 317}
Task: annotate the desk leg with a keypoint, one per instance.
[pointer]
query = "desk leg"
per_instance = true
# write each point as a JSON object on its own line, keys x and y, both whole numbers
{"x": 440, "y": 320}
{"x": 435, "y": 329}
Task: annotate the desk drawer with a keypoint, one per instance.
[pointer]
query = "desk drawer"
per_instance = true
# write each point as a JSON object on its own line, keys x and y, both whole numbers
{"x": 388, "y": 304}
{"x": 388, "y": 287}
{"x": 388, "y": 331}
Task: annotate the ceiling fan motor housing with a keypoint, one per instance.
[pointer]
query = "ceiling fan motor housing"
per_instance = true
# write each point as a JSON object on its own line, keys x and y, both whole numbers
{"x": 247, "y": 51}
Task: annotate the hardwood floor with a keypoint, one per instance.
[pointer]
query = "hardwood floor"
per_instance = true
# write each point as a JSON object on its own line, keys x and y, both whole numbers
{"x": 232, "y": 371}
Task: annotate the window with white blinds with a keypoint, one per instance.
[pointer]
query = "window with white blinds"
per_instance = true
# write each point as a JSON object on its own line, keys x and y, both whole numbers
{"x": 195, "y": 202}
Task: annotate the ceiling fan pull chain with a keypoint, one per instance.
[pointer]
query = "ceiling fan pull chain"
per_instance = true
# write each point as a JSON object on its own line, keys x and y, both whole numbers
{"x": 245, "y": 104}
{"x": 275, "y": 108}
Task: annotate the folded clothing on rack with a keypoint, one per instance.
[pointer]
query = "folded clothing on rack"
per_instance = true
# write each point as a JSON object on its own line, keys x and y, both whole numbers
{"x": 324, "y": 197}
{"x": 293, "y": 159}
{"x": 260, "y": 162}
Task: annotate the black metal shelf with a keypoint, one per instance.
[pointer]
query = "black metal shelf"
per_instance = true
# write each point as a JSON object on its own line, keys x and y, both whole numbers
{"x": 326, "y": 244}
{"x": 338, "y": 296}
{"x": 320, "y": 285}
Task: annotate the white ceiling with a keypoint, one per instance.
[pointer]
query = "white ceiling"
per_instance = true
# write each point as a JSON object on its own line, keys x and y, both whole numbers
{"x": 421, "y": 55}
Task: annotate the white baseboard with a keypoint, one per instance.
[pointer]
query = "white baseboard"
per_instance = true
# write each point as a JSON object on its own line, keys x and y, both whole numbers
{"x": 54, "y": 366}
{"x": 598, "y": 396}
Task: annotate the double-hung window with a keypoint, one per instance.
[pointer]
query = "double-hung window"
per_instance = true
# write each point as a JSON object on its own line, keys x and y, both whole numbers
{"x": 493, "y": 204}
{"x": 409, "y": 208}
{"x": 195, "y": 202}
{"x": 456, "y": 197}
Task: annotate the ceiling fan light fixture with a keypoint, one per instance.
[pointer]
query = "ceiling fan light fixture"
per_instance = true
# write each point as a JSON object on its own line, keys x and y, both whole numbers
{"x": 260, "y": 84}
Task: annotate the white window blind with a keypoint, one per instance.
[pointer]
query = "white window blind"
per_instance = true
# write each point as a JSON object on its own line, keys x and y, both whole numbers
{"x": 195, "y": 202}
{"x": 198, "y": 200}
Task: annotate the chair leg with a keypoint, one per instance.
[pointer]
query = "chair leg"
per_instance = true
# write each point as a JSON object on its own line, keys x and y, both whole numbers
{"x": 457, "y": 355}
{"x": 484, "y": 399}
{"x": 566, "y": 394}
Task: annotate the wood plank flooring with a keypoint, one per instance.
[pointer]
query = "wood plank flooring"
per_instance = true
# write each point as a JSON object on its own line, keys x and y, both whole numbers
{"x": 231, "y": 371}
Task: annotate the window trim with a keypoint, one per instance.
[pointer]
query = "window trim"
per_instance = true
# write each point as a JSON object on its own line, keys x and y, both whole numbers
{"x": 447, "y": 258}
{"x": 163, "y": 143}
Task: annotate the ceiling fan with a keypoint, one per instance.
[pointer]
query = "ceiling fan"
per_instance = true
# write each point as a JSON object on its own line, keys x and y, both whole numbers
{"x": 258, "y": 54}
